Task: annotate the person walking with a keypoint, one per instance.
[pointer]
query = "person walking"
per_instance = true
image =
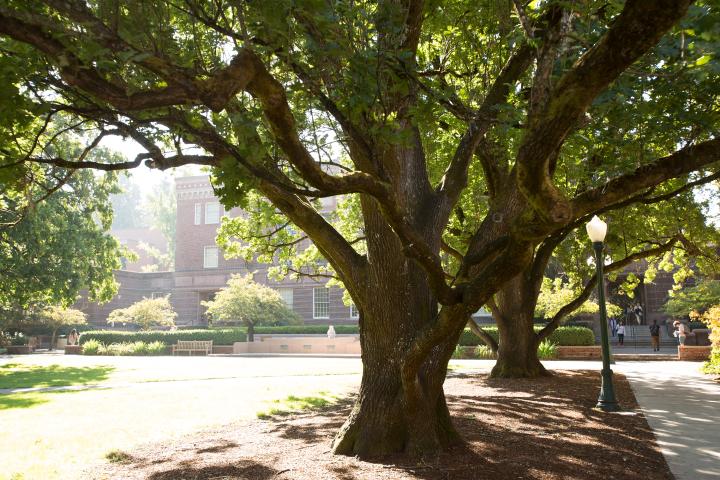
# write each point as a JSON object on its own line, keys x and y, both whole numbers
{"x": 613, "y": 326}
{"x": 655, "y": 336}
{"x": 621, "y": 333}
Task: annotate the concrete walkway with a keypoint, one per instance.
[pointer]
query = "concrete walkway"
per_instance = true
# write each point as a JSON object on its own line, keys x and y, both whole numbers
{"x": 682, "y": 406}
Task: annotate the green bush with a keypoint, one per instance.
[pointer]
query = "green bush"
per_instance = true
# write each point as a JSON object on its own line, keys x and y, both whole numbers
{"x": 226, "y": 336}
{"x": 459, "y": 352}
{"x": 156, "y": 348}
{"x": 547, "y": 350}
{"x": 563, "y": 336}
{"x": 91, "y": 347}
{"x": 712, "y": 366}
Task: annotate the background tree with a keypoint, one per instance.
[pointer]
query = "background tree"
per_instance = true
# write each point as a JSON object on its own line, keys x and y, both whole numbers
{"x": 53, "y": 222}
{"x": 55, "y": 318}
{"x": 672, "y": 236}
{"x": 146, "y": 313}
{"x": 249, "y": 303}
{"x": 412, "y": 110}
{"x": 160, "y": 208}
{"x": 126, "y": 204}
{"x": 699, "y": 297}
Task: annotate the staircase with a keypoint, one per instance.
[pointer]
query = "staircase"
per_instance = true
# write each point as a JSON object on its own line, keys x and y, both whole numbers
{"x": 639, "y": 335}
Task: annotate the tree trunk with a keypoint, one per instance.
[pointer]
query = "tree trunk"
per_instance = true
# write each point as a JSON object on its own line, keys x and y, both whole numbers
{"x": 53, "y": 339}
{"x": 386, "y": 417}
{"x": 400, "y": 408}
{"x": 517, "y": 350}
{"x": 250, "y": 332}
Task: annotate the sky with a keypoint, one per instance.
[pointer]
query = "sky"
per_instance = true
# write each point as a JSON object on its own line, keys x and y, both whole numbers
{"x": 146, "y": 178}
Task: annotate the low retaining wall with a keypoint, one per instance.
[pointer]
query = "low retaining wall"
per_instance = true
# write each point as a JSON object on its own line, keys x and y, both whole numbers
{"x": 693, "y": 353}
{"x": 301, "y": 345}
{"x": 73, "y": 350}
{"x": 592, "y": 352}
{"x": 589, "y": 352}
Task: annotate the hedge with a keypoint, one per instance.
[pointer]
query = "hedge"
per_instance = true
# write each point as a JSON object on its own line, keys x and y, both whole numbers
{"x": 563, "y": 336}
{"x": 226, "y": 336}
{"x": 306, "y": 329}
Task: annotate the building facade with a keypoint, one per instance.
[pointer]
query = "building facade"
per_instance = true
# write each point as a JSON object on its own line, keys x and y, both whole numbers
{"x": 201, "y": 270}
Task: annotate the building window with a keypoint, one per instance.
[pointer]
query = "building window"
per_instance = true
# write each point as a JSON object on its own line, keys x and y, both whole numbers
{"x": 321, "y": 303}
{"x": 287, "y": 296}
{"x": 211, "y": 257}
{"x": 354, "y": 312}
{"x": 154, "y": 295}
{"x": 212, "y": 213}
{"x": 198, "y": 213}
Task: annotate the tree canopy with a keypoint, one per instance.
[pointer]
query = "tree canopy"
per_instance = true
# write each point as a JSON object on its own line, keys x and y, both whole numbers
{"x": 465, "y": 137}
{"x": 249, "y": 303}
{"x": 146, "y": 313}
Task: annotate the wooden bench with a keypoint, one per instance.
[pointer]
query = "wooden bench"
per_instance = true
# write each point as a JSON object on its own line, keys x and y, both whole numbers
{"x": 190, "y": 346}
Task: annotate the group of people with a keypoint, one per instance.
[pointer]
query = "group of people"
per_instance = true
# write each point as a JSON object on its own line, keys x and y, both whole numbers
{"x": 681, "y": 332}
{"x": 618, "y": 329}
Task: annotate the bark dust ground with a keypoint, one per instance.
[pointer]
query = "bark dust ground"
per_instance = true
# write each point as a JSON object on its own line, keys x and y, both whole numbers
{"x": 515, "y": 429}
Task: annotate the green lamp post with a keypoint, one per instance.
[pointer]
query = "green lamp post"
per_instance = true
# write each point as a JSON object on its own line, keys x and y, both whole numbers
{"x": 607, "y": 402}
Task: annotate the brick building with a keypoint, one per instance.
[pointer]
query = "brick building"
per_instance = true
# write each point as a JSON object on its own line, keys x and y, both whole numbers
{"x": 201, "y": 269}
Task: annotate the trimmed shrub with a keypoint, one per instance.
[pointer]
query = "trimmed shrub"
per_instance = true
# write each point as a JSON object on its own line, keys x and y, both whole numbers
{"x": 563, "y": 336}
{"x": 226, "y": 336}
{"x": 306, "y": 329}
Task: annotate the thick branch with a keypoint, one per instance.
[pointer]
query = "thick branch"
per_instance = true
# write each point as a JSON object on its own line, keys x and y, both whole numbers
{"x": 637, "y": 29}
{"x": 455, "y": 178}
{"x": 682, "y": 162}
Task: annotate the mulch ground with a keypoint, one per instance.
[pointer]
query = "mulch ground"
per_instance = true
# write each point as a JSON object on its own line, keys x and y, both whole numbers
{"x": 515, "y": 429}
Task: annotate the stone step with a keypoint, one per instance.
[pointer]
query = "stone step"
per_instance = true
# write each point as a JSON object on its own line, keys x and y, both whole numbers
{"x": 643, "y": 357}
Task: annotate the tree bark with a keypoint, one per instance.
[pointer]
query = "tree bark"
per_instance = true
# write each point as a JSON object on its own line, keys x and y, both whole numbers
{"x": 387, "y": 418}
{"x": 518, "y": 343}
{"x": 394, "y": 412}
{"x": 250, "y": 332}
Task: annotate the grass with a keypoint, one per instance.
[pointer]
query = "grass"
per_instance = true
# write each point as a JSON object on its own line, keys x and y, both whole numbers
{"x": 56, "y": 434}
{"x": 17, "y": 375}
{"x": 117, "y": 456}
{"x": 294, "y": 404}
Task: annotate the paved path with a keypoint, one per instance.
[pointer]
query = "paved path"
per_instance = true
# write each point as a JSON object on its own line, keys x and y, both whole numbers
{"x": 682, "y": 406}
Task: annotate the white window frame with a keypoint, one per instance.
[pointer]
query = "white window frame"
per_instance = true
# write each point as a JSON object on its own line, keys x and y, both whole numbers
{"x": 321, "y": 313}
{"x": 354, "y": 312}
{"x": 209, "y": 220}
{"x": 207, "y": 264}
{"x": 198, "y": 213}
{"x": 287, "y": 295}
{"x": 155, "y": 295}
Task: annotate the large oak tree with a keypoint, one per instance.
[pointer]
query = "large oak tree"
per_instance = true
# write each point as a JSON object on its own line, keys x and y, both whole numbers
{"x": 413, "y": 93}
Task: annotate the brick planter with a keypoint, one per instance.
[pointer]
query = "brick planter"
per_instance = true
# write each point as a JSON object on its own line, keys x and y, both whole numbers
{"x": 19, "y": 349}
{"x": 693, "y": 353}
{"x": 73, "y": 350}
{"x": 590, "y": 352}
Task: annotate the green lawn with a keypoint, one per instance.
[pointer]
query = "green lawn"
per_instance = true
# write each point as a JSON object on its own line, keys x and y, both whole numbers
{"x": 18, "y": 375}
{"x": 56, "y": 434}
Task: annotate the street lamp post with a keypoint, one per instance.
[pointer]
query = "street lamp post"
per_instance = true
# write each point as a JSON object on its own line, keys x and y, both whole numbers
{"x": 596, "y": 230}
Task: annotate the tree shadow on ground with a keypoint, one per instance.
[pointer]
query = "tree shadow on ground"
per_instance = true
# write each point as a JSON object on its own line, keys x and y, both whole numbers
{"x": 247, "y": 469}
{"x": 513, "y": 429}
{"x": 32, "y": 376}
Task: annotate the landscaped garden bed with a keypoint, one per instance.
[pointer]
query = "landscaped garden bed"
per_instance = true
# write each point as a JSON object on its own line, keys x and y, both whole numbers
{"x": 531, "y": 429}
